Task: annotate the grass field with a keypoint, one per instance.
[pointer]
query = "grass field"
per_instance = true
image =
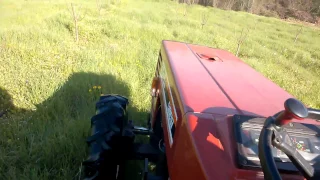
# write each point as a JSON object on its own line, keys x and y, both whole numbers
{"x": 47, "y": 79}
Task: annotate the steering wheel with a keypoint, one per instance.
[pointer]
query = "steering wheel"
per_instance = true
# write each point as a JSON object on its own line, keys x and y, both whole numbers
{"x": 273, "y": 134}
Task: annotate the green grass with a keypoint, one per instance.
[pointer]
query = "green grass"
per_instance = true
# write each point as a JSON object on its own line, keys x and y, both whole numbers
{"x": 45, "y": 76}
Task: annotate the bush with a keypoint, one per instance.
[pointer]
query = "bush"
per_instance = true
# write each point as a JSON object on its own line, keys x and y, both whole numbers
{"x": 304, "y": 10}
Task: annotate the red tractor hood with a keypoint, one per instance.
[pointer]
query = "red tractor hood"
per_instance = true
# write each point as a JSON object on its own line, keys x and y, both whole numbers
{"x": 212, "y": 85}
{"x": 215, "y": 81}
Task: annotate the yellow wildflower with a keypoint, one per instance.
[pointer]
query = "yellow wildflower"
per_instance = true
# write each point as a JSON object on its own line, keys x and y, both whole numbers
{"x": 90, "y": 90}
{"x": 99, "y": 87}
{"x": 94, "y": 87}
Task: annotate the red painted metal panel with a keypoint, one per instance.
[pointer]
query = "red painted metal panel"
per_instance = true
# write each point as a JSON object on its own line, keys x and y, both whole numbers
{"x": 214, "y": 142}
{"x": 206, "y": 92}
{"x": 186, "y": 162}
{"x": 205, "y": 85}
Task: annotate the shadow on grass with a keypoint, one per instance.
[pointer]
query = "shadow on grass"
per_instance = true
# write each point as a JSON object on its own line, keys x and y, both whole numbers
{"x": 6, "y": 104}
{"x": 49, "y": 143}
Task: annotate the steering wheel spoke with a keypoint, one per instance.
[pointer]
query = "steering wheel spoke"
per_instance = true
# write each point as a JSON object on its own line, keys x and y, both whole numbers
{"x": 274, "y": 135}
{"x": 282, "y": 141}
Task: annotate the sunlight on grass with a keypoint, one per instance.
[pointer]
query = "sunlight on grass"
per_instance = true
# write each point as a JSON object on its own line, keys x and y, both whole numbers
{"x": 46, "y": 77}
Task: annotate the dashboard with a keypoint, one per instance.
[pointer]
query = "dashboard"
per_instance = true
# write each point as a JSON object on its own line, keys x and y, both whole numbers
{"x": 305, "y": 137}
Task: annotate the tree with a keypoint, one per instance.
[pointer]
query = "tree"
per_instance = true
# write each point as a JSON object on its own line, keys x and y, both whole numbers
{"x": 76, "y": 19}
{"x": 243, "y": 36}
{"x": 298, "y": 33}
{"x": 204, "y": 19}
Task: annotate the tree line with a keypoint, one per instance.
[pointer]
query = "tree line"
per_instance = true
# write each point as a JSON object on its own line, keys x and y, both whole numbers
{"x": 305, "y": 10}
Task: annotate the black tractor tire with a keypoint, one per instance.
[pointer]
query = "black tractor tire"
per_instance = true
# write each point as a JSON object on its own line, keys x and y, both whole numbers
{"x": 109, "y": 140}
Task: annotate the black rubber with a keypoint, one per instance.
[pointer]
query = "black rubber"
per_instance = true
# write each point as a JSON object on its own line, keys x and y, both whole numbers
{"x": 273, "y": 135}
{"x": 105, "y": 143}
{"x": 268, "y": 165}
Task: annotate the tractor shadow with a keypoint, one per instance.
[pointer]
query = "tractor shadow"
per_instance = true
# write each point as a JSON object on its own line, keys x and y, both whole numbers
{"x": 50, "y": 142}
{"x": 6, "y": 105}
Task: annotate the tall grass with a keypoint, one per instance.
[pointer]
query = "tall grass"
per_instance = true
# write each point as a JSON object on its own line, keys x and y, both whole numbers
{"x": 46, "y": 77}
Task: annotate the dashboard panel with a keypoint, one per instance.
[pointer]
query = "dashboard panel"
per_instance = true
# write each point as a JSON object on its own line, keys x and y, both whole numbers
{"x": 305, "y": 138}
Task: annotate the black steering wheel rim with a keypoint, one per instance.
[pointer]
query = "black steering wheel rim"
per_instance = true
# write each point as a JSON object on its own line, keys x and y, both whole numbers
{"x": 273, "y": 135}
{"x": 267, "y": 161}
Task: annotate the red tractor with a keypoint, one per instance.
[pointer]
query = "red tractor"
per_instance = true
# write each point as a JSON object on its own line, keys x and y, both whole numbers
{"x": 212, "y": 117}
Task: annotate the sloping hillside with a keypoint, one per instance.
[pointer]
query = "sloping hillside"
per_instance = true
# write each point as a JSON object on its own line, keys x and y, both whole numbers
{"x": 49, "y": 82}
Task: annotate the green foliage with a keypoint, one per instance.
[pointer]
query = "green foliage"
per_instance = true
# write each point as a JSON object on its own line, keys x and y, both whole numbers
{"x": 46, "y": 76}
